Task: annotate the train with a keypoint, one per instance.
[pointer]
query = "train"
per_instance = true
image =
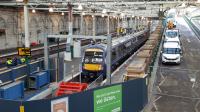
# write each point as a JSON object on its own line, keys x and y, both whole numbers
{"x": 94, "y": 56}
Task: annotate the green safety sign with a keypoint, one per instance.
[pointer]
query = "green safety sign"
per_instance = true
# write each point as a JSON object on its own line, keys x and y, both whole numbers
{"x": 108, "y": 99}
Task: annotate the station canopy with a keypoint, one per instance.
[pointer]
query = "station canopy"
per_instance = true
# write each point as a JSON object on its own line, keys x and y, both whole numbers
{"x": 115, "y": 8}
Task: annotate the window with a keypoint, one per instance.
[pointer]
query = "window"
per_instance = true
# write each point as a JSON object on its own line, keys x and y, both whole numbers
{"x": 171, "y": 34}
{"x": 93, "y": 57}
{"x": 171, "y": 50}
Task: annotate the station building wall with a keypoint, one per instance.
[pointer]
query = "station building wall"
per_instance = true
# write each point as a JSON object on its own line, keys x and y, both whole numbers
{"x": 41, "y": 23}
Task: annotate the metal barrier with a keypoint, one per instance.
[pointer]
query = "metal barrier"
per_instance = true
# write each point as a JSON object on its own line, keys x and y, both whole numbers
{"x": 195, "y": 29}
{"x": 96, "y": 83}
{"x": 131, "y": 97}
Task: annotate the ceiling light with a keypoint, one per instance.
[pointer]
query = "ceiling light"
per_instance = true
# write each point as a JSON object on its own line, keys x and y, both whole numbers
{"x": 33, "y": 10}
{"x": 102, "y": 15}
{"x": 114, "y": 16}
{"x": 104, "y": 11}
{"x": 19, "y": 0}
{"x": 122, "y": 15}
{"x": 92, "y": 15}
{"x": 50, "y": 9}
{"x": 80, "y": 7}
{"x": 62, "y": 13}
{"x": 183, "y": 4}
{"x": 133, "y": 16}
{"x": 83, "y": 13}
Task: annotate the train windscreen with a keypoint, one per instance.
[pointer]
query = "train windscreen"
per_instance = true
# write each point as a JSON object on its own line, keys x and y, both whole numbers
{"x": 93, "y": 57}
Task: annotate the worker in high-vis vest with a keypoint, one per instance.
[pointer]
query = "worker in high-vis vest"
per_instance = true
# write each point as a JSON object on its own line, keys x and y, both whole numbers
{"x": 22, "y": 60}
{"x": 9, "y": 62}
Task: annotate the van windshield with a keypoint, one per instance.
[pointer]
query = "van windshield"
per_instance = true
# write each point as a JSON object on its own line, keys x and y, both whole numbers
{"x": 171, "y": 50}
{"x": 172, "y": 42}
{"x": 171, "y": 34}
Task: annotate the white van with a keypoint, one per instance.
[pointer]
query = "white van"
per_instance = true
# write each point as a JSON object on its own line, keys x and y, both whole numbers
{"x": 171, "y": 53}
{"x": 173, "y": 40}
{"x": 172, "y": 33}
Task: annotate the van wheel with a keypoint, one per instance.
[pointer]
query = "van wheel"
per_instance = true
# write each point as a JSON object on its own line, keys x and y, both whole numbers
{"x": 178, "y": 63}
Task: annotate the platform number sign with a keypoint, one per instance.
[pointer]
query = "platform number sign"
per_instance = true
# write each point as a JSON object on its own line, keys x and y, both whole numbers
{"x": 24, "y": 51}
{"x": 108, "y": 99}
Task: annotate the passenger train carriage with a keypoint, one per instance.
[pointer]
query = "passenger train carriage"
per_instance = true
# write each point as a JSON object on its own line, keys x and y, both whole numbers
{"x": 94, "y": 57}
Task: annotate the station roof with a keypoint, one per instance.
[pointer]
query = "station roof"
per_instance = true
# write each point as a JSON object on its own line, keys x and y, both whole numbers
{"x": 130, "y": 8}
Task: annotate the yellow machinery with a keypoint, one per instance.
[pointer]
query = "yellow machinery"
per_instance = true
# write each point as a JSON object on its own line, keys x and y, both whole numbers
{"x": 170, "y": 25}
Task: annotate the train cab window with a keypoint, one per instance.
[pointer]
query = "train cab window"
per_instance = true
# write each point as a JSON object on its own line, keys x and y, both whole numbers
{"x": 93, "y": 57}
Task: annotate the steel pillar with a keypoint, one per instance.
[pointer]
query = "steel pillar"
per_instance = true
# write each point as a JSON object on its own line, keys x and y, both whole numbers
{"x": 108, "y": 60}
{"x": 46, "y": 53}
{"x": 108, "y": 25}
{"x": 93, "y": 25}
{"x": 81, "y": 26}
{"x": 26, "y": 28}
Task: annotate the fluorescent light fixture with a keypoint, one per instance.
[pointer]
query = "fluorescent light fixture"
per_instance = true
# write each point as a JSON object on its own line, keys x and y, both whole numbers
{"x": 83, "y": 13}
{"x": 62, "y": 13}
{"x": 183, "y": 4}
{"x": 51, "y": 9}
{"x": 122, "y": 14}
{"x": 19, "y": 0}
{"x": 104, "y": 11}
{"x": 33, "y": 10}
{"x": 80, "y": 7}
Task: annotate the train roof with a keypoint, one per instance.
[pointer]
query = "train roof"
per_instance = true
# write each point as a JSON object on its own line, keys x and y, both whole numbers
{"x": 118, "y": 41}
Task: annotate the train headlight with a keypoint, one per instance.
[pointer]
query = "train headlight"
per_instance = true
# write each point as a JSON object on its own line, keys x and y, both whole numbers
{"x": 100, "y": 67}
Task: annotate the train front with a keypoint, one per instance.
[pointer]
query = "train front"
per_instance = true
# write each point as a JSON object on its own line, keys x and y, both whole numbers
{"x": 93, "y": 62}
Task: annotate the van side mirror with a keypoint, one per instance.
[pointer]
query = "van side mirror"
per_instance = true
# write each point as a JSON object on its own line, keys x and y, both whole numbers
{"x": 181, "y": 52}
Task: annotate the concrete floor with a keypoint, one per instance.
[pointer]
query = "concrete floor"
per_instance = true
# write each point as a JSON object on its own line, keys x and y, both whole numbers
{"x": 177, "y": 87}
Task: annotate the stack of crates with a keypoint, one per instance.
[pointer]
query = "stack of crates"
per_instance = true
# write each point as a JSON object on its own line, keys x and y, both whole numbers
{"x": 136, "y": 69}
{"x": 143, "y": 63}
{"x": 70, "y": 88}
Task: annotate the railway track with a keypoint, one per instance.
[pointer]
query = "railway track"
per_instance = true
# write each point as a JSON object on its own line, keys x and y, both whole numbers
{"x": 38, "y": 52}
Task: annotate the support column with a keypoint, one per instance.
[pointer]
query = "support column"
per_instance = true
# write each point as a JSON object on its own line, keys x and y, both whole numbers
{"x": 93, "y": 25}
{"x": 131, "y": 23}
{"x": 81, "y": 26}
{"x": 26, "y": 28}
{"x": 69, "y": 44}
{"x": 108, "y": 59}
{"x": 135, "y": 23}
{"x": 46, "y": 53}
{"x": 118, "y": 25}
{"x": 68, "y": 53}
{"x": 108, "y": 25}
